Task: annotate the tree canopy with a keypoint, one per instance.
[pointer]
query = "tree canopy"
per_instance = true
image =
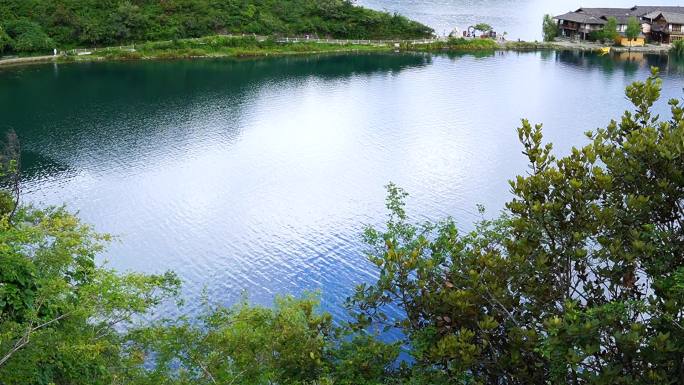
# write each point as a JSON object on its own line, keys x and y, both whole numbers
{"x": 549, "y": 28}
{"x": 609, "y": 31}
{"x": 633, "y": 28}
{"x": 483, "y": 27}
{"x": 112, "y": 22}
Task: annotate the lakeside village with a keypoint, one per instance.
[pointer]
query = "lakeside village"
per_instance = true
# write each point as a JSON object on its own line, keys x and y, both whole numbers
{"x": 644, "y": 28}
{"x": 639, "y": 28}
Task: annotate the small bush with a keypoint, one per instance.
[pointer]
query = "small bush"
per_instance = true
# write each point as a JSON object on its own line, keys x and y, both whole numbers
{"x": 123, "y": 55}
{"x": 678, "y": 48}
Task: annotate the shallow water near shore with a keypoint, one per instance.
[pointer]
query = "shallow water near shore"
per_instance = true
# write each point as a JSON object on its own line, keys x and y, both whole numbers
{"x": 260, "y": 175}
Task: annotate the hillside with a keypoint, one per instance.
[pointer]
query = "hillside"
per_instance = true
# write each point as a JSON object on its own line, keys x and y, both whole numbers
{"x": 33, "y": 25}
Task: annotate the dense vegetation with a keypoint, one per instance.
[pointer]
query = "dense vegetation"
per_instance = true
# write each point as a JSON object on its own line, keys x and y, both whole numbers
{"x": 457, "y": 44}
{"x": 31, "y": 25}
{"x": 580, "y": 281}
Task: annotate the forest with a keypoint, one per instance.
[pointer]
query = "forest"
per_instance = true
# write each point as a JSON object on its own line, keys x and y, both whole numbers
{"x": 41, "y": 25}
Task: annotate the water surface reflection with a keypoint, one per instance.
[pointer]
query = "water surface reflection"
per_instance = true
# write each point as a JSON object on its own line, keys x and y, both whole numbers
{"x": 260, "y": 174}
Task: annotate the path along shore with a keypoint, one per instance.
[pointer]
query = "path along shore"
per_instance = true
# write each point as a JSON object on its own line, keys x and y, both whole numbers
{"x": 349, "y": 45}
{"x": 27, "y": 60}
{"x": 591, "y": 46}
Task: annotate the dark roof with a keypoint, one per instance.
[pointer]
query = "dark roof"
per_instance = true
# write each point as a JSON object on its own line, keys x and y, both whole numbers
{"x": 643, "y": 10}
{"x": 672, "y": 18}
{"x": 652, "y": 15}
{"x": 621, "y": 14}
{"x": 607, "y": 11}
{"x": 583, "y": 18}
{"x": 592, "y": 15}
{"x": 636, "y": 11}
{"x": 621, "y": 19}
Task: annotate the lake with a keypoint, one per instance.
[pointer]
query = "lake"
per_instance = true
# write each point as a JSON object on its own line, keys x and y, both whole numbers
{"x": 260, "y": 175}
{"x": 521, "y": 19}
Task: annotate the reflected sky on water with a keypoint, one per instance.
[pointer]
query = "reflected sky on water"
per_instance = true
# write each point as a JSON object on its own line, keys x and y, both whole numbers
{"x": 260, "y": 175}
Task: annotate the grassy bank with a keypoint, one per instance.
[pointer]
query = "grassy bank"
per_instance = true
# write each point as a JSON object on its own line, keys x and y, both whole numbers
{"x": 220, "y": 46}
{"x": 236, "y": 46}
{"x": 224, "y": 46}
{"x": 459, "y": 44}
{"x": 531, "y": 46}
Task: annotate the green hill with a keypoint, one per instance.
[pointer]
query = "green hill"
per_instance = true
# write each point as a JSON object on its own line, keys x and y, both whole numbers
{"x": 34, "y": 25}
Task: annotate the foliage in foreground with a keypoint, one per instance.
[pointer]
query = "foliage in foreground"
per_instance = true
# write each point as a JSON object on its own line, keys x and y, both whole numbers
{"x": 291, "y": 343}
{"x": 114, "y": 22}
{"x": 580, "y": 281}
{"x": 60, "y": 313}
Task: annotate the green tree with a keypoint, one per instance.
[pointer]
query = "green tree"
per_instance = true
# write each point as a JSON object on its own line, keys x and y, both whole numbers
{"x": 127, "y": 22}
{"x": 633, "y": 29}
{"x": 28, "y": 36}
{"x": 579, "y": 282}
{"x": 61, "y": 313}
{"x": 71, "y": 23}
{"x": 549, "y": 28}
{"x": 610, "y": 29}
{"x": 483, "y": 27}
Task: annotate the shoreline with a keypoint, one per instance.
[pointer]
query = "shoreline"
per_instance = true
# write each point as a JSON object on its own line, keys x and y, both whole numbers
{"x": 197, "y": 49}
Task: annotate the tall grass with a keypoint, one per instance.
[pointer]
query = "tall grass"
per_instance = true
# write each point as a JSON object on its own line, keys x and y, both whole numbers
{"x": 678, "y": 48}
{"x": 458, "y": 44}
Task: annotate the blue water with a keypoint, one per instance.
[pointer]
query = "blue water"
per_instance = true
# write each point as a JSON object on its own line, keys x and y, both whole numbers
{"x": 260, "y": 175}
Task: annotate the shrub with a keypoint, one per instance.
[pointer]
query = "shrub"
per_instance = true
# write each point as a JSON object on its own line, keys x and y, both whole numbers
{"x": 677, "y": 48}
{"x": 287, "y": 344}
{"x": 363, "y": 360}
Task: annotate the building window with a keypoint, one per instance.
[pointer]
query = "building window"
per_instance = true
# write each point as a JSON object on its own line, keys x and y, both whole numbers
{"x": 676, "y": 28}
